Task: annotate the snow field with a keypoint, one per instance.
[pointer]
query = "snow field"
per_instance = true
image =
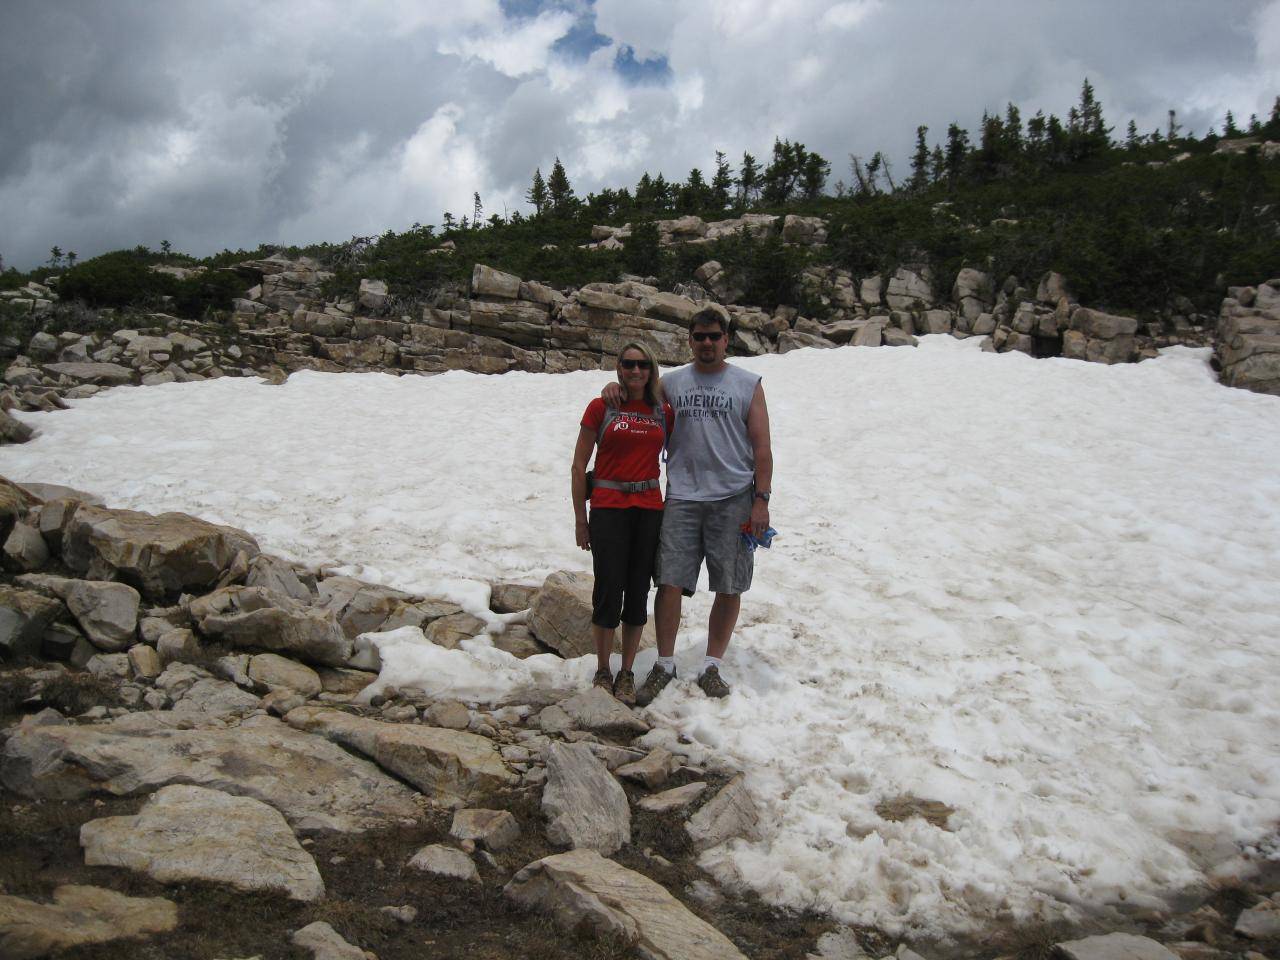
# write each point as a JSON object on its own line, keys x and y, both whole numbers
{"x": 1044, "y": 593}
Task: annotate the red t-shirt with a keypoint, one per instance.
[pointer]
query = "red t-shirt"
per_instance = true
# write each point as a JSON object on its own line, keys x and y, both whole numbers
{"x": 628, "y": 451}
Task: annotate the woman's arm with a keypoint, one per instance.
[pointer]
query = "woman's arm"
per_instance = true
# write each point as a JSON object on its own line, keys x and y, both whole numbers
{"x": 578, "y": 484}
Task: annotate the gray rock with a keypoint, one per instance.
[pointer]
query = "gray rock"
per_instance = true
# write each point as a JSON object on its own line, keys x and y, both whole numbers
{"x": 253, "y": 617}
{"x": 444, "y": 862}
{"x": 615, "y": 756}
{"x": 106, "y": 612}
{"x": 109, "y": 666}
{"x": 317, "y": 785}
{"x": 488, "y": 282}
{"x": 325, "y": 943}
{"x": 13, "y": 430}
{"x": 372, "y": 294}
{"x": 344, "y": 681}
{"x": 277, "y": 576}
{"x": 1097, "y": 325}
{"x": 178, "y": 646}
{"x": 359, "y": 607}
{"x": 215, "y": 697}
{"x": 450, "y": 714}
{"x": 79, "y": 915}
{"x": 450, "y": 631}
{"x": 25, "y": 549}
{"x": 596, "y": 709}
{"x": 561, "y": 615}
{"x": 495, "y": 829}
{"x": 275, "y": 672}
{"x": 1261, "y": 922}
{"x": 194, "y": 833}
{"x": 159, "y": 555}
{"x": 24, "y": 616}
{"x": 583, "y": 802}
{"x": 1115, "y": 946}
{"x": 144, "y": 662}
{"x": 583, "y": 886}
{"x": 652, "y": 770}
{"x": 98, "y": 374}
{"x": 441, "y": 763}
{"x": 676, "y": 798}
{"x": 730, "y": 813}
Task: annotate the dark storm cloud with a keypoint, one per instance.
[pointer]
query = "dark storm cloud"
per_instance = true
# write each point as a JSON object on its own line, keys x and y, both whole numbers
{"x": 229, "y": 124}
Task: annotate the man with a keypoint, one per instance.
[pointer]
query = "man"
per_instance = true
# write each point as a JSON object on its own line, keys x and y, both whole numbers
{"x": 719, "y": 478}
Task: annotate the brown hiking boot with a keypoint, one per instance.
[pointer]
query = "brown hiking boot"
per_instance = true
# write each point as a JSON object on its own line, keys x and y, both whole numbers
{"x": 653, "y": 685}
{"x": 603, "y": 678}
{"x": 712, "y": 683}
{"x": 624, "y": 688}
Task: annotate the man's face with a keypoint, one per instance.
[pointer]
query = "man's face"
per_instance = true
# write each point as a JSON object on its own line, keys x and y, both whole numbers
{"x": 709, "y": 344}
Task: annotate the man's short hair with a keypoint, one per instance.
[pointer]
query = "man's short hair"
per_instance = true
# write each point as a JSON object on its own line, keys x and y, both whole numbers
{"x": 708, "y": 317}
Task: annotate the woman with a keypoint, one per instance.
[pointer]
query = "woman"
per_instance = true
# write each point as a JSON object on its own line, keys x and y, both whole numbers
{"x": 626, "y": 509}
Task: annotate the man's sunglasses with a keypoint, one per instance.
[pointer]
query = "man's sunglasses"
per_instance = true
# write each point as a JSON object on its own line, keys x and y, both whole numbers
{"x": 713, "y": 337}
{"x": 632, "y": 364}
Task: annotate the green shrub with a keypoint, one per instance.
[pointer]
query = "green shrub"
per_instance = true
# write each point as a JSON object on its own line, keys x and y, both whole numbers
{"x": 119, "y": 279}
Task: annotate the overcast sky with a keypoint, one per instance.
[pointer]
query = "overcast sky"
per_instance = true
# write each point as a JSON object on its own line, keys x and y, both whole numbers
{"x": 229, "y": 124}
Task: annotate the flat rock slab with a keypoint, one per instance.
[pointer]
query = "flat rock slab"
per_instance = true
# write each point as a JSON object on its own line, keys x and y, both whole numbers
{"x": 1116, "y": 946}
{"x": 583, "y": 886}
{"x": 159, "y": 555}
{"x": 444, "y": 862}
{"x": 318, "y": 786}
{"x": 275, "y": 671}
{"x": 1261, "y": 922}
{"x": 193, "y": 833}
{"x": 585, "y": 805}
{"x": 79, "y": 915}
{"x": 652, "y": 769}
{"x": 730, "y": 813}
{"x": 596, "y": 709}
{"x": 255, "y": 617}
{"x": 448, "y": 763}
{"x": 325, "y": 943}
{"x": 676, "y": 798}
{"x": 99, "y": 374}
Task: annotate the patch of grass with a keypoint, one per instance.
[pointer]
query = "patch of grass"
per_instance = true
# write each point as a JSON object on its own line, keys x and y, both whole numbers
{"x": 74, "y": 692}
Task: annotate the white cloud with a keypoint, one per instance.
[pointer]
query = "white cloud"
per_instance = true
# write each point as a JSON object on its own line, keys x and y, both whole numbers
{"x": 515, "y": 51}
{"x": 845, "y": 16}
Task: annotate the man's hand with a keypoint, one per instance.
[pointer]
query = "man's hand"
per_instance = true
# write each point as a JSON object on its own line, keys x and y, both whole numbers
{"x": 582, "y": 534}
{"x": 612, "y": 395}
{"x": 759, "y": 518}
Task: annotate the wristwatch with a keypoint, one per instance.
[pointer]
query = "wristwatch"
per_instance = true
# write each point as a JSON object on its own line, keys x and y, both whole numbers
{"x": 763, "y": 495}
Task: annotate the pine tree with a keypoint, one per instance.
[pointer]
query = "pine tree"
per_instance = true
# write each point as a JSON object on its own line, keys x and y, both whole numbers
{"x": 937, "y": 164}
{"x": 55, "y": 256}
{"x": 749, "y": 178}
{"x": 1174, "y": 130}
{"x": 165, "y": 247}
{"x": 1131, "y": 140}
{"x": 1255, "y": 125}
{"x": 692, "y": 195}
{"x": 559, "y": 190}
{"x": 722, "y": 182}
{"x": 477, "y": 211}
{"x": 71, "y": 258}
{"x": 537, "y": 194}
{"x": 448, "y": 221}
{"x": 813, "y": 178}
{"x": 956, "y": 151}
{"x": 920, "y": 160}
{"x": 1230, "y": 129}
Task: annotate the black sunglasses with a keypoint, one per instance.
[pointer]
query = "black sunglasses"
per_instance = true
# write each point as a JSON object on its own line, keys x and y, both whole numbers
{"x": 713, "y": 337}
{"x": 632, "y": 364}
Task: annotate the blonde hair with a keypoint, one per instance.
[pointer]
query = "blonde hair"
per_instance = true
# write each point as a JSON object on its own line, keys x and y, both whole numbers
{"x": 653, "y": 386}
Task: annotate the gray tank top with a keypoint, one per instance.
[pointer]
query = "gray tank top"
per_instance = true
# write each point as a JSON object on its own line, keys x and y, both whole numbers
{"x": 709, "y": 456}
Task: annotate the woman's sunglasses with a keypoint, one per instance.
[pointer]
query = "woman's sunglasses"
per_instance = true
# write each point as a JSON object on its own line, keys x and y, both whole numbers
{"x": 713, "y": 337}
{"x": 632, "y": 364}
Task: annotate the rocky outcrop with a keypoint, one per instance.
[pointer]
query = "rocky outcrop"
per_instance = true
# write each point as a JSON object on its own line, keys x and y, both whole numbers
{"x": 1248, "y": 349}
{"x": 78, "y": 916}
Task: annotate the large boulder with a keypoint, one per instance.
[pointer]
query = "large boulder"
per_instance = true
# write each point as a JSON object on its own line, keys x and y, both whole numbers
{"x": 91, "y": 372}
{"x": 359, "y": 607}
{"x": 581, "y": 886}
{"x": 159, "y": 555}
{"x": 910, "y": 288}
{"x": 78, "y": 916}
{"x": 372, "y": 294}
{"x": 194, "y": 833}
{"x": 584, "y": 804}
{"x": 317, "y": 785}
{"x": 1248, "y": 347}
{"x": 13, "y": 430}
{"x": 488, "y": 282}
{"x": 730, "y": 813}
{"x": 561, "y": 615}
{"x": 449, "y": 764}
{"x": 106, "y": 612}
{"x": 256, "y": 618}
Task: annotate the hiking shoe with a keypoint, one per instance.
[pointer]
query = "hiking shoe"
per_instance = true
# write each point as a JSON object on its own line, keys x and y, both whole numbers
{"x": 712, "y": 683}
{"x": 624, "y": 687}
{"x": 603, "y": 678}
{"x": 653, "y": 685}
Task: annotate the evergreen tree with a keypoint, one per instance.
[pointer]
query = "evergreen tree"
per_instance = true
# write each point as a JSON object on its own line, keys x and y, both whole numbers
{"x": 661, "y": 193}
{"x": 1036, "y": 134}
{"x": 813, "y": 178}
{"x": 449, "y": 222}
{"x": 477, "y": 211}
{"x": 55, "y": 256}
{"x": 1174, "y": 129}
{"x": 559, "y": 191}
{"x": 937, "y": 164}
{"x": 165, "y": 247}
{"x": 693, "y": 194}
{"x": 537, "y": 194}
{"x": 1012, "y": 130}
{"x": 722, "y": 182}
{"x": 71, "y": 259}
{"x": 1230, "y": 129}
{"x": 920, "y": 160}
{"x": 1272, "y": 127}
{"x": 749, "y": 178}
{"x": 956, "y": 151}
{"x": 1255, "y": 125}
{"x": 1131, "y": 140}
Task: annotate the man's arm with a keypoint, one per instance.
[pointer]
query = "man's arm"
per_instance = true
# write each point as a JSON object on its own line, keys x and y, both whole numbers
{"x": 758, "y": 434}
{"x": 578, "y": 485}
{"x": 612, "y": 394}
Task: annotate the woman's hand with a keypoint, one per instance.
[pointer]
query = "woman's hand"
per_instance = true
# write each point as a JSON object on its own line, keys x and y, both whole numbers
{"x": 582, "y": 534}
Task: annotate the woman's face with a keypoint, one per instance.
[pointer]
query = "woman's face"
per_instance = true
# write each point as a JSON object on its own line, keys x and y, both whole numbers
{"x": 633, "y": 370}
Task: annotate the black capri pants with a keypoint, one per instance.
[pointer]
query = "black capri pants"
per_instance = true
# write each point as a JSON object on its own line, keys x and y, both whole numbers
{"x": 624, "y": 544}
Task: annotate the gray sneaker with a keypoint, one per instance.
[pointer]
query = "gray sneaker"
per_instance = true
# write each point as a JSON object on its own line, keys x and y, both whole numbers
{"x": 653, "y": 685}
{"x": 603, "y": 679}
{"x": 712, "y": 683}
